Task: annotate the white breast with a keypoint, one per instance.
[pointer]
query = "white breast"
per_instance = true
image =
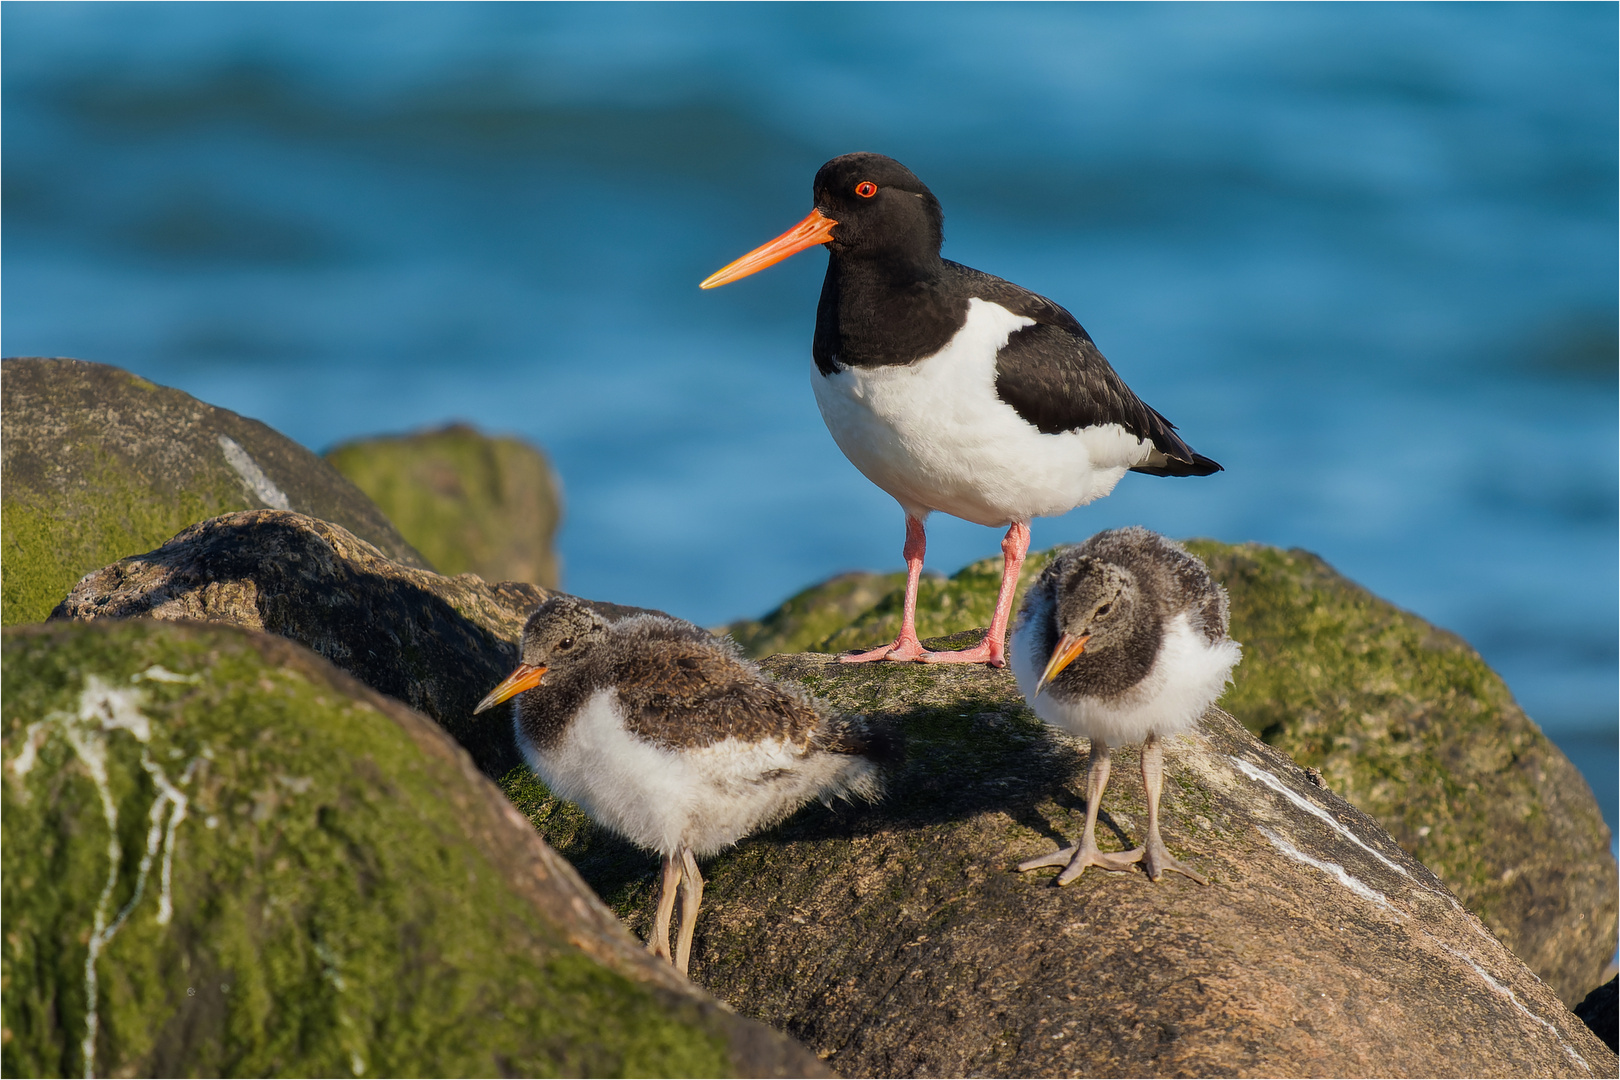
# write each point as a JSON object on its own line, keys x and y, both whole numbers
{"x": 1187, "y": 676}
{"x": 935, "y": 435}
{"x": 705, "y": 798}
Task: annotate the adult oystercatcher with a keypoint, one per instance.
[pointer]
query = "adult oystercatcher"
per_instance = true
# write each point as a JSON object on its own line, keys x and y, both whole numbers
{"x": 665, "y": 735}
{"x": 954, "y": 390}
{"x": 1121, "y": 639}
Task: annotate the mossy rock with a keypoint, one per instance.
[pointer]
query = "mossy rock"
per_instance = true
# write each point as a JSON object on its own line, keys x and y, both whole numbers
{"x": 472, "y": 503}
{"x": 1403, "y": 719}
{"x": 1408, "y": 722}
{"x": 811, "y": 617}
{"x": 100, "y": 464}
{"x": 945, "y": 606}
{"x": 222, "y": 856}
{"x": 437, "y": 643}
{"x": 897, "y": 939}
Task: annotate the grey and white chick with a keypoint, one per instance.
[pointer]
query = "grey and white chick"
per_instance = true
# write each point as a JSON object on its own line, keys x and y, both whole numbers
{"x": 1122, "y": 639}
{"x": 666, "y": 735}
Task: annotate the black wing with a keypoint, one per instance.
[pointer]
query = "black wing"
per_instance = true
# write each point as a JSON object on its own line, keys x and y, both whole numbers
{"x": 1053, "y": 376}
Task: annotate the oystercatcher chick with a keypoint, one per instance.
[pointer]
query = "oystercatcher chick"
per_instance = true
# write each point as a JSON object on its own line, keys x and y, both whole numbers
{"x": 953, "y": 390}
{"x": 667, "y": 736}
{"x": 1121, "y": 639}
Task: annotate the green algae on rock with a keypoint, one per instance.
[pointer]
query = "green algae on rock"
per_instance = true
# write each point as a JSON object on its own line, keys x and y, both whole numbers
{"x": 1403, "y": 719}
{"x": 1410, "y": 724}
{"x": 897, "y": 940}
{"x": 830, "y": 617}
{"x": 470, "y": 502}
{"x": 807, "y": 619}
{"x": 100, "y": 464}
{"x": 222, "y": 856}
{"x": 436, "y": 643}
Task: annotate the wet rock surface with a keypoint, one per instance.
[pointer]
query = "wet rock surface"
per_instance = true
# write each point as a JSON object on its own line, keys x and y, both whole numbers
{"x": 1401, "y": 718}
{"x": 898, "y": 939}
{"x": 471, "y": 503}
{"x": 437, "y": 643}
{"x": 100, "y": 464}
{"x": 222, "y": 856}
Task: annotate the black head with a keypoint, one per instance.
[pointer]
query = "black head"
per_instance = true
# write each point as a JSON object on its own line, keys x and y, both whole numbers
{"x": 882, "y": 209}
{"x": 867, "y": 206}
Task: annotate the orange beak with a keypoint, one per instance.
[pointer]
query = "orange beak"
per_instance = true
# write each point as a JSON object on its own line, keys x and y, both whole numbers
{"x": 523, "y": 678}
{"x": 814, "y": 229}
{"x": 1068, "y": 647}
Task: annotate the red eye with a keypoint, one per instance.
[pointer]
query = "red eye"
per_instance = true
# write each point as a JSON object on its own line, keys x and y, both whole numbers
{"x": 866, "y": 189}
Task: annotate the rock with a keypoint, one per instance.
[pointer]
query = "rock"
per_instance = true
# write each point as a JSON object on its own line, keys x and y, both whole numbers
{"x": 833, "y": 608}
{"x": 815, "y": 614}
{"x": 436, "y": 643}
{"x": 470, "y": 502}
{"x": 100, "y": 464}
{"x": 1600, "y": 1011}
{"x": 307, "y": 878}
{"x": 897, "y": 940}
{"x": 1409, "y": 723}
{"x": 1401, "y": 718}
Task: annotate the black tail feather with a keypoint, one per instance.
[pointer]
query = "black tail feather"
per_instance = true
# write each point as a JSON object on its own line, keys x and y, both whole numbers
{"x": 1198, "y": 466}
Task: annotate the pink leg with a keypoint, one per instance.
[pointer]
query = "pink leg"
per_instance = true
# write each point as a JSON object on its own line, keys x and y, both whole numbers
{"x": 993, "y": 650}
{"x": 906, "y": 646}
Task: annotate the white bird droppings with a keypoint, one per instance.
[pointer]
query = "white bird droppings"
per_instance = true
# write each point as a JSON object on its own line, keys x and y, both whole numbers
{"x": 253, "y": 476}
{"x": 1507, "y": 992}
{"x": 105, "y": 708}
{"x": 1254, "y": 772}
{"x": 159, "y": 673}
{"x": 1332, "y": 869}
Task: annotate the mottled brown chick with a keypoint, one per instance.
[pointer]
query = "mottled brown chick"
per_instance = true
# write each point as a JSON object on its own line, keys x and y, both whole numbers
{"x": 669, "y": 737}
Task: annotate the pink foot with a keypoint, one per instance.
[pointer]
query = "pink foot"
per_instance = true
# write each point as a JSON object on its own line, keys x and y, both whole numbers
{"x": 906, "y": 646}
{"x": 987, "y": 651}
{"x": 903, "y": 649}
{"x": 992, "y": 649}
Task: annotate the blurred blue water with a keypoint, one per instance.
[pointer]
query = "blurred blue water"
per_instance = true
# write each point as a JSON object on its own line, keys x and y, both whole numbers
{"x": 1362, "y": 255}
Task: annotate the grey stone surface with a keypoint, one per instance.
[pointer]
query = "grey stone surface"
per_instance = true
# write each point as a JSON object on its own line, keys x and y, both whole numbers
{"x": 898, "y": 940}
{"x": 1400, "y": 717}
{"x": 99, "y": 463}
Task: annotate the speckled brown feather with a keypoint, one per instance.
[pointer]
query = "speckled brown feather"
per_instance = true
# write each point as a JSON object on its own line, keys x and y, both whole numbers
{"x": 1170, "y": 573}
{"x": 678, "y": 686}
{"x": 682, "y": 693}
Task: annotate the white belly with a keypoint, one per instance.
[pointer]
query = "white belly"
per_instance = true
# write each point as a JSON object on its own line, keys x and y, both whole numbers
{"x": 705, "y": 799}
{"x": 934, "y": 435}
{"x": 1187, "y": 676}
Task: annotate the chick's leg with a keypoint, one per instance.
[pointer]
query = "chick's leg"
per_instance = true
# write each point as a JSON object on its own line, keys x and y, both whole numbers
{"x": 691, "y": 898}
{"x": 1156, "y": 858}
{"x": 1075, "y": 859}
{"x": 658, "y": 943}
